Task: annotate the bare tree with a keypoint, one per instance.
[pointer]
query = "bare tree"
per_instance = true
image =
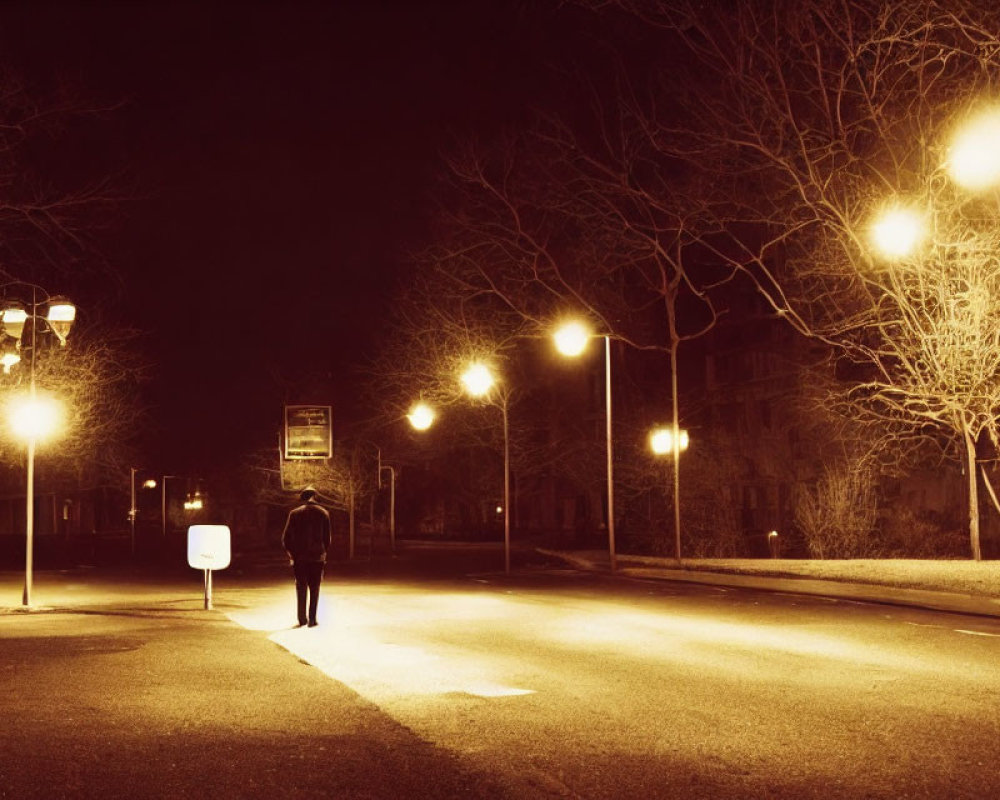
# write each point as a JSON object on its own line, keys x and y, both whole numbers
{"x": 49, "y": 220}
{"x": 437, "y": 332}
{"x": 809, "y": 118}
{"x": 95, "y": 377}
{"x": 584, "y": 219}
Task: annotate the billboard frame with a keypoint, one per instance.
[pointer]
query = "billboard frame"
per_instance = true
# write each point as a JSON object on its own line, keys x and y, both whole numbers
{"x": 308, "y": 432}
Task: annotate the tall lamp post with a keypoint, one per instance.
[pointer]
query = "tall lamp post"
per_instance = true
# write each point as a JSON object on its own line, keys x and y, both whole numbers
{"x": 392, "y": 499}
{"x": 937, "y": 229}
{"x": 33, "y": 417}
{"x": 571, "y": 340}
{"x": 479, "y": 381}
{"x": 666, "y": 441}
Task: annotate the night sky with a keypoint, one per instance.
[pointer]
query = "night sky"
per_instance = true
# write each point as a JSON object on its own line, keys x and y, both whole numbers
{"x": 279, "y": 158}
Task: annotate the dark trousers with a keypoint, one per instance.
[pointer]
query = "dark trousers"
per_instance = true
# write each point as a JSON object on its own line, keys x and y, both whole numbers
{"x": 308, "y": 577}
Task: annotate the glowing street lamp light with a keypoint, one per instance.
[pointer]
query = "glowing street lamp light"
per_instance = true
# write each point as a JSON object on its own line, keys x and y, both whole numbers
{"x": 973, "y": 159}
{"x": 421, "y": 416}
{"x": 897, "y": 232}
{"x": 8, "y": 360}
{"x": 13, "y": 317}
{"x": 661, "y": 441}
{"x": 478, "y": 380}
{"x": 672, "y": 440}
{"x": 60, "y": 318}
{"x": 571, "y": 339}
{"x": 34, "y": 418}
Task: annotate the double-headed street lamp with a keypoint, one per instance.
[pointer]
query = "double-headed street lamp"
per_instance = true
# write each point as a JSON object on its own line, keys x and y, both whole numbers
{"x": 972, "y": 162}
{"x": 941, "y": 258}
{"x": 571, "y": 340}
{"x": 33, "y": 416}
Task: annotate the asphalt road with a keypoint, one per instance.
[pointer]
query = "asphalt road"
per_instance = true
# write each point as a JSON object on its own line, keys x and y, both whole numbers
{"x": 441, "y": 677}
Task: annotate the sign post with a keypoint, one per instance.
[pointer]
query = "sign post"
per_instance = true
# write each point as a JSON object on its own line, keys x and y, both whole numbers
{"x": 208, "y": 549}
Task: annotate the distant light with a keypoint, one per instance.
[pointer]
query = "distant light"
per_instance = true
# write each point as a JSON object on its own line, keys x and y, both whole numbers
{"x": 149, "y": 483}
{"x": 897, "y": 232}
{"x": 421, "y": 416}
{"x": 478, "y": 380}
{"x": 499, "y": 509}
{"x": 34, "y": 418}
{"x": 571, "y": 338}
{"x": 974, "y": 156}
{"x": 661, "y": 440}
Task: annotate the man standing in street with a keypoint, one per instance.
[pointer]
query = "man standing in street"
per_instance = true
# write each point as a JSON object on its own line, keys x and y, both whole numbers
{"x": 306, "y": 539}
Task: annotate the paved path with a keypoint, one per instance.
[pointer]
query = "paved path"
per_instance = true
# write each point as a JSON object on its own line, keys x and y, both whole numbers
{"x": 150, "y": 696}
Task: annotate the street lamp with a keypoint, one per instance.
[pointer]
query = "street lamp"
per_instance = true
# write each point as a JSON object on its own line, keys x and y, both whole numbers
{"x": 661, "y": 440}
{"x": 973, "y": 159}
{"x": 392, "y": 497}
{"x": 421, "y": 416}
{"x": 666, "y": 441}
{"x": 479, "y": 381}
{"x": 571, "y": 340}
{"x": 897, "y": 231}
{"x": 972, "y": 162}
{"x": 33, "y": 417}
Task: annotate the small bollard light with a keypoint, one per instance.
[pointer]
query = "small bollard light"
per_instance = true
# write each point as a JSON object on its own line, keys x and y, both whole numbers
{"x": 208, "y": 549}
{"x": 773, "y": 543}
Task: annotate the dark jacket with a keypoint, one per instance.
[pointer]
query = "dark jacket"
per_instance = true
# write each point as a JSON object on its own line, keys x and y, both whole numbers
{"x": 306, "y": 537}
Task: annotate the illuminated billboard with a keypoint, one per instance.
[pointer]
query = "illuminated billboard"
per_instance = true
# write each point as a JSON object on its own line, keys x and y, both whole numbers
{"x": 308, "y": 432}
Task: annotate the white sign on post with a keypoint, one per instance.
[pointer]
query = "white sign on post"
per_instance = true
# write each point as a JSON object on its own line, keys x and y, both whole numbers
{"x": 208, "y": 549}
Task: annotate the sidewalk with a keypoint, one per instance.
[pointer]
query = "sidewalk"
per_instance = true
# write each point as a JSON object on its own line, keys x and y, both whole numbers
{"x": 650, "y": 568}
{"x": 125, "y": 686}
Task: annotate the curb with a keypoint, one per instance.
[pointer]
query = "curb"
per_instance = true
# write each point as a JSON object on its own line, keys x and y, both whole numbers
{"x": 952, "y": 602}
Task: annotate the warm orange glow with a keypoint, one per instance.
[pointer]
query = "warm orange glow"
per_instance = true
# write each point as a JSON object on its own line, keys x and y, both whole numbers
{"x": 8, "y": 360}
{"x": 421, "y": 416}
{"x": 974, "y": 156}
{"x": 389, "y": 643}
{"x": 572, "y": 338}
{"x": 34, "y": 418}
{"x": 661, "y": 440}
{"x": 60, "y": 318}
{"x": 897, "y": 232}
{"x": 478, "y": 380}
{"x": 14, "y": 318}
{"x": 149, "y": 483}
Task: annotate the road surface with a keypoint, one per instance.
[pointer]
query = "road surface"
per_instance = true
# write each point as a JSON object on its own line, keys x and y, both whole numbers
{"x": 571, "y": 684}
{"x": 441, "y": 676}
